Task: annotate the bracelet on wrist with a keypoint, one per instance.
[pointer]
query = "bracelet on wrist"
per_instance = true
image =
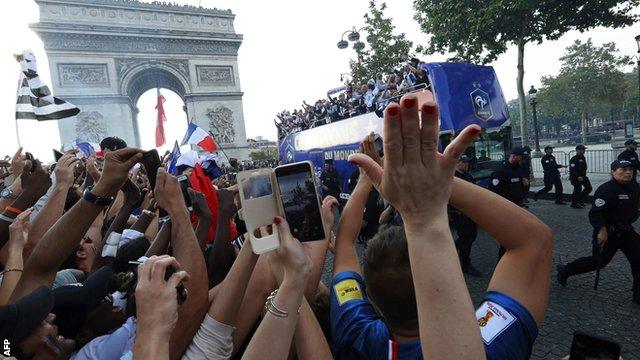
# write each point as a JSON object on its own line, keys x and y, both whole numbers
{"x": 7, "y": 218}
{"x": 271, "y": 307}
{"x": 10, "y": 270}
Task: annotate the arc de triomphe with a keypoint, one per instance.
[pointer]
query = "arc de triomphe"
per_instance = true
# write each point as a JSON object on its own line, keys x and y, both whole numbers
{"x": 104, "y": 54}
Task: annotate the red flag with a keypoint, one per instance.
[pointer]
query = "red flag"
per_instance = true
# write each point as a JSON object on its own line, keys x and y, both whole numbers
{"x": 160, "y": 140}
{"x": 201, "y": 183}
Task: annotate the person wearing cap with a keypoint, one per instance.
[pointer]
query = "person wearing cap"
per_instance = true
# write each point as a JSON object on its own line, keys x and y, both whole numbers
{"x": 330, "y": 180}
{"x": 551, "y": 175}
{"x": 578, "y": 177}
{"x": 466, "y": 229}
{"x": 631, "y": 156}
{"x": 508, "y": 180}
{"x": 27, "y": 325}
{"x": 615, "y": 209}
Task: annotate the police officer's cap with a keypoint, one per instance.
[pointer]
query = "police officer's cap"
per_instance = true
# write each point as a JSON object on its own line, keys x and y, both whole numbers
{"x": 328, "y": 161}
{"x": 617, "y": 164}
{"x": 630, "y": 142}
{"x": 581, "y": 147}
{"x": 518, "y": 150}
{"x": 548, "y": 147}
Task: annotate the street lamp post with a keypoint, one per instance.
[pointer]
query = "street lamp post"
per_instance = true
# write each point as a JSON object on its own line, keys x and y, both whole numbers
{"x": 354, "y": 37}
{"x": 533, "y": 100}
{"x": 638, "y": 63}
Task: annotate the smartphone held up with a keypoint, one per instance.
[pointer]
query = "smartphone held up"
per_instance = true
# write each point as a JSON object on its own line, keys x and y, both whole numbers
{"x": 290, "y": 191}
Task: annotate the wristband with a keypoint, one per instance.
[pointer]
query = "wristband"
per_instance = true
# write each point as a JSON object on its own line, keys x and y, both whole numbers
{"x": 4, "y": 217}
{"x": 88, "y": 196}
{"x": 13, "y": 210}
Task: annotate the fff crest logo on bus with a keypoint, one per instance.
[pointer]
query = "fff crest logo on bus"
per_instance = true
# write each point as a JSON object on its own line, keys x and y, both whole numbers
{"x": 481, "y": 104}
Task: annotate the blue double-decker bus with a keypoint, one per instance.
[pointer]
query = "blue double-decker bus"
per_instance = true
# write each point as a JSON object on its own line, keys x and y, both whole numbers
{"x": 466, "y": 94}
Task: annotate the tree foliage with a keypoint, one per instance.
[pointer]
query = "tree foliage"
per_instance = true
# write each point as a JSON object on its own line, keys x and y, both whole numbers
{"x": 385, "y": 49}
{"x": 479, "y": 31}
{"x": 265, "y": 154}
{"x": 590, "y": 81}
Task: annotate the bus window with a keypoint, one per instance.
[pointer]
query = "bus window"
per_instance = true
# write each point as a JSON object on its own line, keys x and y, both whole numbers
{"x": 488, "y": 151}
{"x": 445, "y": 139}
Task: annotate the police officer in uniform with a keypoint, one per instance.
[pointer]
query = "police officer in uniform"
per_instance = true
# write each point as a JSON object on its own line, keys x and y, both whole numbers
{"x": 330, "y": 180}
{"x": 526, "y": 173}
{"x": 579, "y": 180}
{"x": 466, "y": 229}
{"x": 508, "y": 181}
{"x": 631, "y": 155}
{"x": 551, "y": 175}
{"x": 614, "y": 210}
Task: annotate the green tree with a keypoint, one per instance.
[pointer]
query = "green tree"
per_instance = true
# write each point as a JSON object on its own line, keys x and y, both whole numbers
{"x": 259, "y": 155}
{"x": 479, "y": 31}
{"x": 589, "y": 81}
{"x": 631, "y": 106}
{"x": 385, "y": 49}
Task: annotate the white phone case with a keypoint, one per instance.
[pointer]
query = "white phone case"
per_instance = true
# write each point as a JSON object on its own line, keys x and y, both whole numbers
{"x": 261, "y": 203}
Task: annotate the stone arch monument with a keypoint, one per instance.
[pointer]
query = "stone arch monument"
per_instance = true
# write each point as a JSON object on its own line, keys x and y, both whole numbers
{"x": 104, "y": 54}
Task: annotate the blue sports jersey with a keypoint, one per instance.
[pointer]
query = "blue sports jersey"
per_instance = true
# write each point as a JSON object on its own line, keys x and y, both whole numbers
{"x": 508, "y": 329}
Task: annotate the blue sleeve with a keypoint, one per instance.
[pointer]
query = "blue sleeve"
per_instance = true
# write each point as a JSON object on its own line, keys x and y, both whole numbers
{"x": 112, "y": 346}
{"x": 508, "y": 329}
{"x": 355, "y": 326}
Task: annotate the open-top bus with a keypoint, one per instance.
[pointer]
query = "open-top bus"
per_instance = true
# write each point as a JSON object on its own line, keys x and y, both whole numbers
{"x": 466, "y": 94}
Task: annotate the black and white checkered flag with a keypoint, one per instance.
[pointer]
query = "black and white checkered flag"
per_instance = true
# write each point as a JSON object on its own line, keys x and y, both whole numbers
{"x": 35, "y": 101}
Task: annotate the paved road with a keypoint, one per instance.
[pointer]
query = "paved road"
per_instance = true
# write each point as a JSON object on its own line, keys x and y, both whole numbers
{"x": 608, "y": 311}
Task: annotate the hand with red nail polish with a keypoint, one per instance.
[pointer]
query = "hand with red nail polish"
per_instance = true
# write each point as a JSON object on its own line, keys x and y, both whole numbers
{"x": 415, "y": 177}
{"x": 291, "y": 254}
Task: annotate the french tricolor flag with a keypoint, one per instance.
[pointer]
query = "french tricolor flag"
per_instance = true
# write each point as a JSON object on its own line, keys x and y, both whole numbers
{"x": 196, "y": 135}
{"x": 87, "y": 148}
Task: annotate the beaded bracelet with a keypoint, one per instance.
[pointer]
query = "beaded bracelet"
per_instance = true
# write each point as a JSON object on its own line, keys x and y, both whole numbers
{"x": 9, "y": 270}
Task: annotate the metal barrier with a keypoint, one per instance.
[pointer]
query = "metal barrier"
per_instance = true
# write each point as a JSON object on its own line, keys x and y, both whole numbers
{"x": 598, "y": 161}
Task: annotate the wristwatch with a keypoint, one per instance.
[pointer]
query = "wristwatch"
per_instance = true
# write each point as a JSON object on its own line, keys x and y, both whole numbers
{"x": 7, "y": 194}
{"x": 88, "y": 196}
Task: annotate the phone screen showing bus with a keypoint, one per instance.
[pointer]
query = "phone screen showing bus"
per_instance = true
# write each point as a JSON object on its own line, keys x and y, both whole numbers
{"x": 300, "y": 201}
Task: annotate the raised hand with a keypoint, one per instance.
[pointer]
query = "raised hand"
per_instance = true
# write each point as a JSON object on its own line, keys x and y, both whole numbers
{"x": 19, "y": 230}
{"x": 65, "y": 169}
{"x": 369, "y": 148}
{"x": 35, "y": 181}
{"x": 17, "y": 162}
{"x": 328, "y": 204}
{"x": 92, "y": 170}
{"x": 156, "y": 298}
{"x": 226, "y": 202}
{"x": 199, "y": 203}
{"x": 116, "y": 170}
{"x": 168, "y": 193}
{"x": 293, "y": 256}
{"x": 416, "y": 179}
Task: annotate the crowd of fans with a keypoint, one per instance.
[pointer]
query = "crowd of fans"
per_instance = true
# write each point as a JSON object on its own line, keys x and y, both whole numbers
{"x": 100, "y": 265}
{"x": 355, "y": 99}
